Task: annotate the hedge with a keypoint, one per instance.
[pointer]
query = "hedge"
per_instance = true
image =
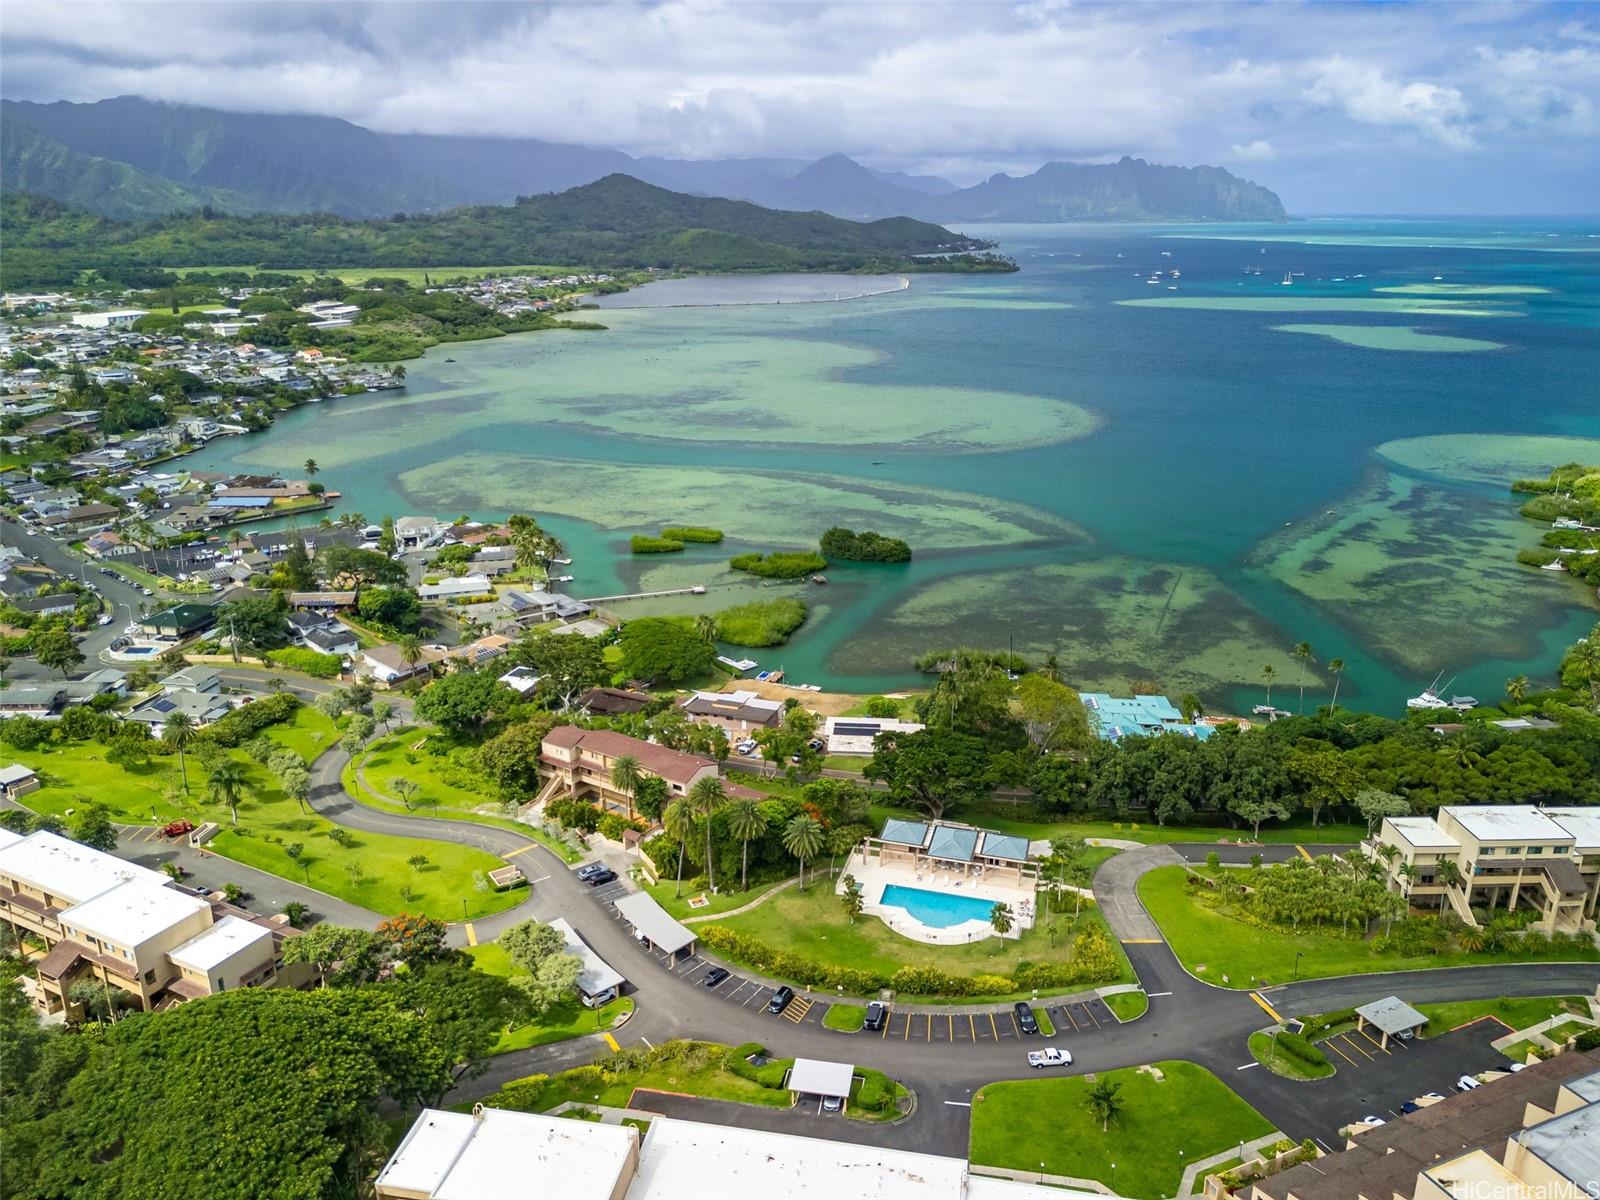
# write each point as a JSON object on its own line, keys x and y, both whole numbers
{"x": 643, "y": 543}
{"x": 780, "y": 564}
{"x": 692, "y": 533}
{"x": 243, "y": 723}
{"x": 307, "y": 662}
{"x": 1298, "y": 1046}
{"x": 877, "y": 1090}
{"x": 768, "y": 1075}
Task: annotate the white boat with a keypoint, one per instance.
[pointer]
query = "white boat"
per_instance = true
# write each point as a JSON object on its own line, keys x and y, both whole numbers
{"x": 1438, "y": 278}
{"x": 1558, "y": 565}
{"x": 1287, "y": 279}
{"x": 1428, "y": 699}
{"x": 562, "y": 562}
{"x": 565, "y": 578}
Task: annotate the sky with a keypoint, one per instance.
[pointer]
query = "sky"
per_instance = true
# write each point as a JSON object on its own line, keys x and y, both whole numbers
{"x": 1469, "y": 107}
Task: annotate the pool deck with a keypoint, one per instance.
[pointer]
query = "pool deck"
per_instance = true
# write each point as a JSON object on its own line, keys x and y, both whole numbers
{"x": 874, "y": 876}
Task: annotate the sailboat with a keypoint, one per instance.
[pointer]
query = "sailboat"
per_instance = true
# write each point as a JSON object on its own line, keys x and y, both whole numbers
{"x": 1430, "y": 697}
{"x": 1287, "y": 279}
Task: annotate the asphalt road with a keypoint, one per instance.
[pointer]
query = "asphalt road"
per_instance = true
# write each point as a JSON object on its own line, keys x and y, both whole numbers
{"x": 125, "y": 599}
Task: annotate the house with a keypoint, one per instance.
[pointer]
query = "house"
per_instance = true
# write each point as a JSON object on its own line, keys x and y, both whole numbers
{"x": 485, "y": 649}
{"x": 322, "y": 602}
{"x": 334, "y": 640}
{"x": 106, "y": 544}
{"x": 193, "y": 679}
{"x": 1117, "y": 717}
{"x": 108, "y": 681}
{"x": 533, "y": 608}
{"x": 509, "y": 1155}
{"x": 1494, "y": 856}
{"x": 859, "y": 735}
{"x": 455, "y": 587}
{"x": 179, "y": 622}
{"x": 613, "y": 702}
{"x": 579, "y": 761}
{"x": 54, "y": 605}
{"x": 412, "y": 533}
{"x": 738, "y": 713}
{"x": 31, "y": 700}
{"x": 520, "y": 680}
{"x": 200, "y": 706}
{"x": 114, "y": 318}
{"x": 17, "y": 780}
{"x": 111, "y": 922}
{"x": 385, "y": 665}
{"x": 87, "y": 516}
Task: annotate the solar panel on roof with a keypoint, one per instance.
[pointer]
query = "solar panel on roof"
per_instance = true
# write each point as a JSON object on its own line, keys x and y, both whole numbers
{"x": 164, "y": 705}
{"x": 856, "y": 730}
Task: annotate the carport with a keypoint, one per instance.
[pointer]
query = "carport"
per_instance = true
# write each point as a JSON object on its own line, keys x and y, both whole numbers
{"x": 648, "y": 918}
{"x": 1391, "y": 1016}
{"x": 595, "y": 976}
{"x": 814, "y": 1077}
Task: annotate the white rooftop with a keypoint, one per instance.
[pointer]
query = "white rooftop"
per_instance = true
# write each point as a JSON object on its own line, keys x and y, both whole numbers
{"x": 1423, "y": 833}
{"x": 1506, "y": 822}
{"x": 134, "y": 912}
{"x": 217, "y": 945}
{"x": 780, "y": 1166}
{"x": 7, "y": 838}
{"x": 642, "y": 912}
{"x": 814, "y": 1077}
{"x": 509, "y": 1156}
{"x": 15, "y": 773}
{"x": 597, "y": 975}
{"x": 1582, "y": 823}
{"x": 67, "y": 870}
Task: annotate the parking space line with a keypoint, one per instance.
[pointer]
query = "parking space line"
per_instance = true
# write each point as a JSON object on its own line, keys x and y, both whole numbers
{"x": 907, "y": 1036}
{"x": 993, "y": 1028}
{"x": 1329, "y": 1044}
{"x": 1379, "y": 1045}
{"x": 1356, "y": 1046}
{"x": 472, "y": 935}
{"x": 951, "y": 1021}
{"x": 1067, "y": 1008}
{"x": 886, "y": 1025}
{"x": 1095, "y": 1020}
{"x": 530, "y": 846}
{"x": 929, "y": 1031}
{"x": 1304, "y": 853}
{"x": 1014, "y": 1025}
{"x": 972, "y": 1027}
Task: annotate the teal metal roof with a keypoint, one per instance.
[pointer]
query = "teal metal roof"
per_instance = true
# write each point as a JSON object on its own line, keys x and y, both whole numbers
{"x": 1005, "y": 845}
{"x": 904, "y": 833}
{"x": 952, "y": 843}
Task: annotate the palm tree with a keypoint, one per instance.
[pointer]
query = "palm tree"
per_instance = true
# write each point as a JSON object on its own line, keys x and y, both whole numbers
{"x": 708, "y": 796}
{"x": 1000, "y": 919}
{"x": 1448, "y": 873}
{"x": 550, "y": 549}
{"x": 1516, "y": 688}
{"x": 225, "y": 783}
{"x": 802, "y": 837}
{"x": 625, "y": 777}
{"x": 409, "y": 647}
{"x": 1335, "y": 665}
{"x": 1268, "y": 674}
{"x": 745, "y": 821}
{"x": 311, "y": 467}
{"x": 678, "y": 820}
{"x": 1302, "y": 652}
{"x": 1104, "y": 1102}
{"x": 1410, "y": 872}
{"x": 179, "y": 733}
{"x": 706, "y": 626}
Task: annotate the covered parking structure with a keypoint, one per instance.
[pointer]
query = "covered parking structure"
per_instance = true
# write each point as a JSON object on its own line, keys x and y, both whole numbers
{"x": 652, "y": 922}
{"x": 1391, "y": 1017}
{"x": 816, "y": 1077}
{"x": 596, "y": 977}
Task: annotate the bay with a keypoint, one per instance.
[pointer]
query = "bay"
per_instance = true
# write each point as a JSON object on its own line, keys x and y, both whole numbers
{"x": 1158, "y": 493}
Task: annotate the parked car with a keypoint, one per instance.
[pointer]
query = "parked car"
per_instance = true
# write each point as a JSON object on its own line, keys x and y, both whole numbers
{"x": 715, "y": 976}
{"x": 1025, "y": 1018}
{"x": 1409, "y": 1107}
{"x": 780, "y": 999}
{"x": 1371, "y": 1121}
{"x": 105, "y": 619}
{"x": 1466, "y": 1083}
{"x": 604, "y": 998}
{"x": 746, "y": 747}
{"x": 832, "y": 1103}
{"x": 814, "y": 744}
{"x": 877, "y": 1016}
{"x": 589, "y": 870}
{"x": 177, "y": 828}
{"x": 603, "y": 875}
{"x": 1049, "y": 1057}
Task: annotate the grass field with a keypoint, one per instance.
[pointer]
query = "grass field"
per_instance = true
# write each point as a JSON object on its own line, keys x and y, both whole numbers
{"x": 1280, "y": 1063}
{"x": 812, "y": 923}
{"x": 706, "y": 1078}
{"x": 1222, "y": 949}
{"x": 1515, "y": 1012}
{"x": 382, "y": 880}
{"x": 1045, "y": 1125}
{"x": 412, "y": 275}
{"x": 1132, "y": 831}
{"x": 563, "y": 1021}
{"x": 678, "y": 906}
{"x": 846, "y": 1018}
{"x": 1128, "y": 1006}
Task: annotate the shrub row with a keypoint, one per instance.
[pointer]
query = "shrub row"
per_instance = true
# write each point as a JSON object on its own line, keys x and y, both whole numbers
{"x": 789, "y": 966}
{"x": 1297, "y": 1046}
{"x": 307, "y": 662}
{"x": 780, "y": 564}
{"x": 643, "y": 543}
{"x": 692, "y": 533}
{"x": 876, "y": 1093}
{"x": 239, "y": 726}
{"x": 768, "y": 1075}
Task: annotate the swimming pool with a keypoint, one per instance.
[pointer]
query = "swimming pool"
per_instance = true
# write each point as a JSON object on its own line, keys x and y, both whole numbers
{"x": 937, "y": 910}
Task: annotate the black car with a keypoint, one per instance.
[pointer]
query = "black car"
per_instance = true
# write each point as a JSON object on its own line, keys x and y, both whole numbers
{"x": 1025, "y": 1021}
{"x": 877, "y": 1014}
{"x": 780, "y": 999}
{"x": 715, "y": 976}
{"x": 603, "y": 875}
{"x": 588, "y": 870}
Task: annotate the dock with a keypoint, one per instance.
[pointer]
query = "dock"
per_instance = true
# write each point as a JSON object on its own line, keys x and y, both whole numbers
{"x": 697, "y": 590}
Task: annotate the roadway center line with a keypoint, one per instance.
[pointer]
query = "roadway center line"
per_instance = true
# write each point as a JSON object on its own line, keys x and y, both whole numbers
{"x": 541, "y": 879}
{"x": 959, "y": 1103}
{"x": 1153, "y": 995}
{"x": 1247, "y": 1066}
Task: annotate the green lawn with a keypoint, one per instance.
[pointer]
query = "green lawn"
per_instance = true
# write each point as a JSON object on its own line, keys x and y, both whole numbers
{"x": 812, "y": 923}
{"x": 412, "y": 275}
{"x": 1134, "y": 831}
{"x": 564, "y": 1021}
{"x": 1044, "y": 1125}
{"x": 1560, "y": 1033}
{"x": 707, "y": 1078}
{"x": 269, "y": 821}
{"x": 1276, "y": 1061}
{"x": 846, "y": 1018}
{"x": 1225, "y": 950}
{"x": 1128, "y": 1006}
{"x": 1516, "y": 1012}
{"x": 678, "y": 906}
{"x": 1047, "y": 1027}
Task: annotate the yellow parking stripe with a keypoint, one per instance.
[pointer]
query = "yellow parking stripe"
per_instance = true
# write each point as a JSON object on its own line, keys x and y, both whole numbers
{"x": 972, "y": 1027}
{"x": 1141, "y": 941}
{"x": 929, "y": 1030}
{"x": 1303, "y": 853}
{"x": 472, "y": 935}
{"x": 907, "y": 1036}
{"x": 612, "y": 1042}
{"x": 1376, "y": 1044}
{"x": 1356, "y": 1046}
{"x": 993, "y": 1028}
{"x": 951, "y": 1022}
{"x": 1271, "y": 1012}
{"x": 1329, "y": 1044}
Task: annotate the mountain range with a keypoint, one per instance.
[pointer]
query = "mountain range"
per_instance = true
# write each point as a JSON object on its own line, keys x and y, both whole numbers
{"x": 133, "y": 158}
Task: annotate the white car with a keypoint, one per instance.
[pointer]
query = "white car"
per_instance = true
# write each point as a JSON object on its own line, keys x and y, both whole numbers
{"x": 1466, "y": 1083}
{"x": 1374, "y": 1121}
{"x": 1049, "y": 1057}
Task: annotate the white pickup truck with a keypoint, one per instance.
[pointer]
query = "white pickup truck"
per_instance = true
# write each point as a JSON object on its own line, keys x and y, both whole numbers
{"x": 1049, "y": 1057}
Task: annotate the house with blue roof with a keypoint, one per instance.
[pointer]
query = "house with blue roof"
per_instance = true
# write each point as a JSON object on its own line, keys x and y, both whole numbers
{"x": 1116, "y": 717}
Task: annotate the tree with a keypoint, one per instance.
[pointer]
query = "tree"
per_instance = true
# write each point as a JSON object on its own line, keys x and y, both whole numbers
{"x": 407, "y": 790}
{"x": 1336, "y": 668}
{"x": 1105, "y": 1102}
{"x": 393, "y": 607}
{"x": 650, "y": 797}
{"x": 932, "y": 769}
{"x": 528, "y": 944}
{"x": 417, "y": 861}
{"x": 56, "y": 651}
{"x": 179, "y": 732}
{"x": 1302, "y": 654}
{"x": 1000, "y": 919}
{"x": 256, "y": 623}
{"x": 294, "y": 568}
{"x": 679, "y": 822}
{"x": 1517, "y": 688}
{"x": 341, "y": 954}
{"x": 311, "y": 467}
{"x": 1052, "y": 715}
{"x": 664, "y": 650}
{"x": 567, "y": 664}
{"x": 882, "y": 707}
{"x": 382, "y": 710}
{"x": 297, "y": 913}
{"x": 92, "y": 826}
{"x": 541, "y": 952}
{"x": 225, "y": 783}
{"x": 745, "y": 821}
{"x": 1256, "y": 809}
{"x": 296, "y": 784}
{"x": 461, "y": 703}
{"x": 413, "y": 940}
{"x": 1268, "y": 674}
{"x": 802, "y": 837}
{"x": 708, "y": 796}
{"x": 625, "y": 777}
{"x": 1190, "y": 706}
{"x": 706, "y": 626}
{"x": 511, "y": 757}
{"x": 790, "y": 740}
{"x": 1374, "y": 805}
{"x": 527, "y": 540}
{"x": 852, "y": 899}
{"x": 349, "y": 566}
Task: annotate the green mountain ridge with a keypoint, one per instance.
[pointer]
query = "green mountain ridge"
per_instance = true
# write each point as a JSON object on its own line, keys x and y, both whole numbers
{"x": 615, "y": 223}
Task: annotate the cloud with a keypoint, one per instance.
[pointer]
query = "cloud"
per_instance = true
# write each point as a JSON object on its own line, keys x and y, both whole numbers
{"x": 1259, "y": 150}
{"x": 964, "y": 88}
